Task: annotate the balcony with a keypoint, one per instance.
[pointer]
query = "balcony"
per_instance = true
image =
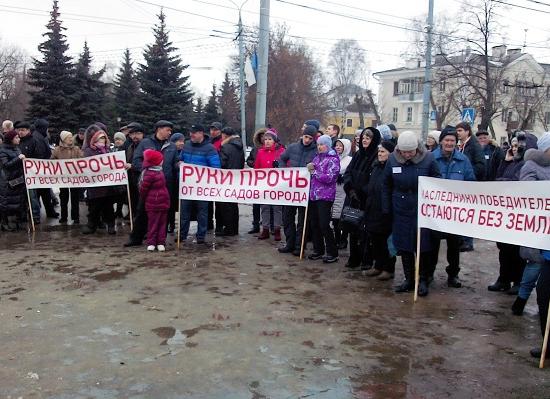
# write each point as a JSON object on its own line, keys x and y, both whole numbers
{"x": 409, "y": 97}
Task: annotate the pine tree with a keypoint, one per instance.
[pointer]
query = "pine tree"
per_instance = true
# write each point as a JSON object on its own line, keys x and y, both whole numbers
{"x": 229, "y": 103}
{"x": 198, "y": 112}
{"x": 51, "y": 78}
{"x": 89, "y": 98}
{"x": 165, "y": 92}
{"x": 211, "y": 113}
{"x": 126, "y": 90}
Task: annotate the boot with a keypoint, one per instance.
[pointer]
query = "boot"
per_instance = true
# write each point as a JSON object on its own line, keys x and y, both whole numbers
{"x": 423, "y": 287}
{"x": 454, "y": 282}
{"x": 499, "y": 286}
{"x": 5, "y": 226}
{"x": 254, "y": 230}
{"x": 408, "y": 284}
{"x": 277, "y": 234}
{"x": 518, "y": 306}
{"x": 264, "y": 235}
{"x": 373, "y": 272}
{"x": 385, "y": 276}
{"x": 111, "y": 229}
{"x": 12, "y": 223}
{"x": 88, "y": 229}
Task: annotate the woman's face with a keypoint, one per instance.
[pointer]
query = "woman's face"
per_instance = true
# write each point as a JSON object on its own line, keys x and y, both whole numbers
{"x": 430, "y": 141}
{"x": 119, "y": 142}
{"x": 383, "y": 154}
{"x": 322, "y": 148}
{"x": 180, "y": 144}
{"x": 16, "y": 140}
{"x": 101, "y": 141}
{"x": 514, "y": 149}
{"x": 69, "y": 140}
{"x": 366, "y": 140}
{"x": 268, "y": 141}
{"x": 339, "y": 147}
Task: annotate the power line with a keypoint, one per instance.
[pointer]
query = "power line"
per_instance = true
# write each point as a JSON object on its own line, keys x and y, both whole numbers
{"x": 539, "y": 2}
{"x": 524, "y": 7}
{"x": 365, "y": 10}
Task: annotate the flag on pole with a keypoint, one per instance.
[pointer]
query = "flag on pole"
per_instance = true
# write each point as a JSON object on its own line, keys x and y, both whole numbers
{"x": 249, "y": 72}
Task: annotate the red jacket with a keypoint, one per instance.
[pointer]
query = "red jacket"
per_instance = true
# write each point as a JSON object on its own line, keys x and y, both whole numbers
{"x": 153, "y": 190}
{"x": 266, "y": 156}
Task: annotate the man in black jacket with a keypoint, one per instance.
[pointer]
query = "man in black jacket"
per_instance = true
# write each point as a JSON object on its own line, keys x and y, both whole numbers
{"x": 492, "y": 153}
{"x": 43, "y": 151}
{"x": 231, "y": 157}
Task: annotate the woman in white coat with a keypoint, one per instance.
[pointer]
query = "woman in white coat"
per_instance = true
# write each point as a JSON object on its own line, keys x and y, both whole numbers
{"x": 343, "y": 149}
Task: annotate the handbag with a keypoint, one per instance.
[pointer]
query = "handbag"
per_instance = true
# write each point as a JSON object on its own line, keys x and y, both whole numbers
{"x": 16, "y": 182}
{"x": 352, "y": 216}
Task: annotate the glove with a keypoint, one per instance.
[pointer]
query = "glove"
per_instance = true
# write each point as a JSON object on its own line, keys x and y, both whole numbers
{"x": 275, "y": 164}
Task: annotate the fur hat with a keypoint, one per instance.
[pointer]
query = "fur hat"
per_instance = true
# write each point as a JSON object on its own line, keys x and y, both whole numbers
{"x": 9, "y": 136}
{"x": 119, "y": 135}
{"x": 385, "y": 132}
{"x": 544, "y": 142}
{"x": 325, "y": 140}
{"x": 388, "y": 145}
{"x": 407, "y": 141}
{"x": 64, "y": 134}
{"x": 152, "y": 157}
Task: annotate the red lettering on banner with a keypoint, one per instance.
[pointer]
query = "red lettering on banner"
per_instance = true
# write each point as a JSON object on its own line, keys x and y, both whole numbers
{"x": 244, "y": 174}
{"x": 227, "y": 178}
{"x": 94, "y": 165}
{"x": 107, "y": 161}
{"x": 301, "y": 182}
{"x": 284, "y": 177}
{"x": 259, "y": 175}
{"x": 273, "y": 178}
{"x": 200, "y": 173}
{"x": 212, "y": 174}
{"x": 186, "y": 172}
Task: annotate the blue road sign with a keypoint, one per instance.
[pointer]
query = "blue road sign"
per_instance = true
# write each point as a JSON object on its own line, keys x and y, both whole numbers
{"x": 433, "y": 115}
{"x": 468, "y": 115}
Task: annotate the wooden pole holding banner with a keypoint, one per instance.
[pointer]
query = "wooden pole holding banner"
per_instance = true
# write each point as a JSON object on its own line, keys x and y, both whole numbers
{"x": 130, "y": 206}
{"x": 30, "y": 209}
{"x": 304, "y": 233}
{"x": 417, "y": 265}
{"x": 179, "y": 222}
{"x": 545, "y": 340}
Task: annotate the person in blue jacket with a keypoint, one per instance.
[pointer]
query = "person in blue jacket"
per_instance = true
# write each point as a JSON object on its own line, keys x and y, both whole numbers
{"x": 453, "y": 165}
{"x": 198, "y": 151}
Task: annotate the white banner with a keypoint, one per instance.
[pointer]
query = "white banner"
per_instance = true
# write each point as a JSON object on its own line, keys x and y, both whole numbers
{"x": 285, "y": 186}
{"x": 99, "y": 170}
{"x": 514, "y": 212}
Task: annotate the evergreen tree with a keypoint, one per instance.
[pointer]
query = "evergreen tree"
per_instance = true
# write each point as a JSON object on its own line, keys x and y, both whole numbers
{"x": 211, "y": 113}
{"x": 165, "y": 92}
{"x": 198, "y": 112}
{"x": 51, "y": 78}
{"x": 89, "y": 91}
{"x": 126, "y": 90}
{"x": 229, "y": 103}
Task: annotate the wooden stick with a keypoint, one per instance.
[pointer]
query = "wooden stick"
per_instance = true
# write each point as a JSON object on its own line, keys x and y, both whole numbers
{"x": 130, "y": 206}
{"x": 417, "y": 265}
{"x": 179, "y": 222}
{"x": 303, "y": 232}
{"x": 30, "y": 209}
{"x": 545, "y": 340}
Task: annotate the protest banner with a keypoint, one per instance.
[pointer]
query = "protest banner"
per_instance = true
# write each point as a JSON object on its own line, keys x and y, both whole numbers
{"x": 97, "y": 171}
{"x": 511, "y": 212}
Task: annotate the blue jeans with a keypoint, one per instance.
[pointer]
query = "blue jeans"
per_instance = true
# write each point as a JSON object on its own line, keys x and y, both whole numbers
{"x": 202, "y": 218}
{"x": 35, "y": 204}
{"x": 529, "y": 279}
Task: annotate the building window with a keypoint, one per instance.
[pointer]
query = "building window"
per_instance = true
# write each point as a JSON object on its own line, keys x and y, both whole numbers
{"x": 506, "y": 87}
{"x": 349, "y": 122}
{"x": 547, "y": 118}
{"x": 442, "y": 86}
{"x": 504, "y": 115}
{"x": 395, "y": 88}
{"x": 409, "y": 114}
{"x": 404, "y": 87}
{"x": 395, "y": 114}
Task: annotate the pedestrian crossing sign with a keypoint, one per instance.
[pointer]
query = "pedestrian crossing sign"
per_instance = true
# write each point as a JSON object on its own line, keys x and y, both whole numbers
{"x": 468, "y": 115}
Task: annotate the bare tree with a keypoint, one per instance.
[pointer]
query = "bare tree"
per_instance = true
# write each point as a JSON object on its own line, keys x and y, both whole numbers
{"x": 525, "y": 98}
{"x": 13, "y": 99}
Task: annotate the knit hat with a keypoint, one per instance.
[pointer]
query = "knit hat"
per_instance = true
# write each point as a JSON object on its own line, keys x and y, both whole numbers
{"x": 177, "y": 137}
{"x": 385, "y": 132}
{"x": 407, "y": 141}
{"x": 310, "y": 130}
{"x": 119, "y": 135}
{"x": 325, "y": 140}
{"x": 313, "y": 122}
{"x": 434, "y": 134}
{"x": 9, "y": 136}
{"x": 152, "y": 157}
{"x": 544, "y": 142}
{"x": 388, "y": 145}
{"x": 448, "y": 132}
{"x": 216, "y": 125}
{"x": 273, "y": 133}
{"x": 64, "y": 134}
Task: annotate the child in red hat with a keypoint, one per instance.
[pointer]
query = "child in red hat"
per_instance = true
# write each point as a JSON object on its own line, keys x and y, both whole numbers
{"x": 152, "y": 189}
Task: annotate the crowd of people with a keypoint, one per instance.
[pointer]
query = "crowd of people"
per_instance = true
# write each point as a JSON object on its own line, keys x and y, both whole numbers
{"x": 363, "y": 192}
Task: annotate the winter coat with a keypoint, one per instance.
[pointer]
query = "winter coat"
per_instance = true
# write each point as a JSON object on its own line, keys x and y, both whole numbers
{"x": 376, "y": 221}
{"x": 216, "y": 142}
{"x": 98, "y": 192}
{"x": 170, "y": 165}
{"x": 232, "y": 153}
{"x": 536, "y": 166}
{"x": 324, "y": 176}
{"x": 152, "y": 189}
{"x": 203, "y": 154}
{"x": 266, "y": 156}
{"x": 12, "y": 199}
{"x": 400, "y": 196}
{"x": 493, "y": 157}
{"x": 63, "y": 151}
{"x": 509, "y": 169}
{"x": 28, "y": 146}
{"x": 345, "y": 160}
{"x": 357, "y": 174}
{"x": 43, "y": 150}
{"x": 472, "y": 149}
{"x": 457, "y": 167}
{"x": 257, "y": 140}
{"x": 298, "y": 155}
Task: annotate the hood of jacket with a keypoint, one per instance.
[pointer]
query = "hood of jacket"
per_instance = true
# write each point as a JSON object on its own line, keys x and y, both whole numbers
{"x": 41, "y": 125}
{"x": 257, "y": 139}
{"x": 373, "y": 146}
{"x": 537, "y": 156}
{"x": 347, "y": 147}
{"x": 421, "y": 152}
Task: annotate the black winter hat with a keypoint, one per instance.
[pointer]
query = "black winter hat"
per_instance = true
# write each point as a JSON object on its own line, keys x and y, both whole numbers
{"x": 216, "y": 125}
{"x": 197, "y": 128}
{"x": 164, "y": 123}
{"x": 41, "y": 123}
{"x": 310, "y": 130}
{"x": 448, "y": 131}
{"x": 392, "y": 127}
{"x": 388, "y": 145}
{"x": 21, "y": 125}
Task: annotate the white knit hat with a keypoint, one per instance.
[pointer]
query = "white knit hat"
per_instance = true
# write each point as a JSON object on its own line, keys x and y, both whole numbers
{"x": 407, "y": 141}
{"x": 543, "y": 142}
{"x": 64, "y": 134}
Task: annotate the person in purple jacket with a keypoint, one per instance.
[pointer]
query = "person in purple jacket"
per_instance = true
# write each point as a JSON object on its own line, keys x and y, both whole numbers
{"x": 324, "y": 169}
{"x": 152, "y": 188}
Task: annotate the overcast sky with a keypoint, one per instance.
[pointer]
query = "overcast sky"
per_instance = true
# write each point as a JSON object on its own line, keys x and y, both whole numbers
{"x": 109, "y": 26}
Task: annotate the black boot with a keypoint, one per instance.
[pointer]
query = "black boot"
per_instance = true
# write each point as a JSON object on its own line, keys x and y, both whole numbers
{"x": 499, "y": 286}
{"x": 408, "y": 269}
{"x": 518, "y": 306}
{"x": 88, "y": 229}
{"x": 423, "y": 287}
{"x": 454, "y": 282}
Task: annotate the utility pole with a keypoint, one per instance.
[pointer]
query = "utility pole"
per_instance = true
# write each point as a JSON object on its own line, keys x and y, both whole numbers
{"x": 263, "y": 58}
{"x": 428, "y": 73}
{"x": 241, "y": 82}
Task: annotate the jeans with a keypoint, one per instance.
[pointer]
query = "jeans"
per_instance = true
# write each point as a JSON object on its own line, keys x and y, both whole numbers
{"x": 35, "y": 204}
{"x": 202, "y": 218}
{"x": 529, "y": 280}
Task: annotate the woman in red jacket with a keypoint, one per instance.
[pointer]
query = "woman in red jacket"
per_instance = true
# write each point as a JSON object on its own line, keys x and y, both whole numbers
{"x": 268, "y": 157}
{"x": 152, "y": 188}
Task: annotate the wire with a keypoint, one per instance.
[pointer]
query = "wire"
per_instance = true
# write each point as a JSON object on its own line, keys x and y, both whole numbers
{"x": 524, "y": 7}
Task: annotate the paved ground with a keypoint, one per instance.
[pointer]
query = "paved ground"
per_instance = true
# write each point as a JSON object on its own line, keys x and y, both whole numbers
{"x": 82, "y": 317}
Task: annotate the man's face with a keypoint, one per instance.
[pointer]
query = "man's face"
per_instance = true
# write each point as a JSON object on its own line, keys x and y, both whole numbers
{"x": 197, "y": 137}
{"x": 180, "y": 144}
{"x": 408, "y": 155}
{"x": 136, "y": 137}
{"x": 462, "y": 134}
{"x": 163, "y": 133}
{"x": 307, "y": 140}
{"x": 483, "y": 139}
{"x": 215, "y": 132}
{"x": 23, "y": 132}
{"x": 119, "y": 142}
{"x": 448, "y": 144}
{"x": 331, "y": 131}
